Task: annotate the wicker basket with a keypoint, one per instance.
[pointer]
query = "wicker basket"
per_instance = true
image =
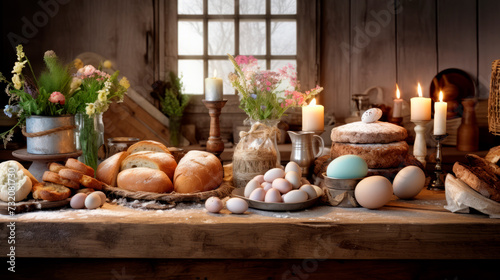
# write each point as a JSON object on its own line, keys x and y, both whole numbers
{"x": 494, "y": 99}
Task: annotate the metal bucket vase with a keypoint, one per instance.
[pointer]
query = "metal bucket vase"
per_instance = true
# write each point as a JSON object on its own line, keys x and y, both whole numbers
{"x": 50, "y": 135}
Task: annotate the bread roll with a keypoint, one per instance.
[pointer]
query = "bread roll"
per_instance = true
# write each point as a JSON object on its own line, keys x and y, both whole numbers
{"x": 144, "y": 179}
{"x": 20, "y": 184}
{"x": 198, "y": 171}
{"x": 148, "y": 145}
{"x": 109, "y": 169}
{"x": 161, "y": 161}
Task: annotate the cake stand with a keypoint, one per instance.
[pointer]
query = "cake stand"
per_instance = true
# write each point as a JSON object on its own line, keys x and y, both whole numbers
{"x": 40, "y": 162}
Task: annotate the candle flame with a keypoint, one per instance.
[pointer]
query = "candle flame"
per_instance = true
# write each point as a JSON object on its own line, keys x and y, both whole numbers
{"x": 215, "y": 73}
{"x": 398, "y": 94}
{"x": 313, "y": 102}
{"x": 419, "y": 90}
{"x": 440, "y": 96}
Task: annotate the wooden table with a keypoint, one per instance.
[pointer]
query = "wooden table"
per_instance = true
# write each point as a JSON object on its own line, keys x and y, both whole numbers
{"x": 405, "y": 238}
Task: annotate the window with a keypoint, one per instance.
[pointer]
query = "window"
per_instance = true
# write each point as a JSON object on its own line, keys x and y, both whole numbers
{"x": 209, "y": 29}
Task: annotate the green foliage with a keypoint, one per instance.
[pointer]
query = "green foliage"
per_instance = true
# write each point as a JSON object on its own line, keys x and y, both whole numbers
{"x": 56, "y": 77}
{"x": 174, "y": 101}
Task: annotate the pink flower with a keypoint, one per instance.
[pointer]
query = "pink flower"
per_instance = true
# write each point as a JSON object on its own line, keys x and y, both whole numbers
{"x": 87, "y": 70}
{"x": 57, "y": 97}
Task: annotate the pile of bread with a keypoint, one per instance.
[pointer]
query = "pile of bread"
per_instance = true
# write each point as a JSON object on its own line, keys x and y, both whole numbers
{"x": 481, "y": 174}
{"x": 149, "y": 166}
{"x": 58, "y": 183}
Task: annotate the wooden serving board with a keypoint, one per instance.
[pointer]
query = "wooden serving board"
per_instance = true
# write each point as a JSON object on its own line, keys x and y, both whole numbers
{"x": 31, "y": 205}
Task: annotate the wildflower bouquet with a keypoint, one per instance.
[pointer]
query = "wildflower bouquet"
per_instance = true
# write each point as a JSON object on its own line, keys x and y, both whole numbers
{"x": 52, "y": 94}
{"x": 267, "y": 94}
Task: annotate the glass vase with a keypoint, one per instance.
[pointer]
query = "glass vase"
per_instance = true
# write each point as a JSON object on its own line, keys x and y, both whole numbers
{"x": 256, "y": 152}
{"x": 90, "y": 136}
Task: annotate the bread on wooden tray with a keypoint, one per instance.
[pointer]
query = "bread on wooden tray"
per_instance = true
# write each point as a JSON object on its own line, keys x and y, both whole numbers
{"x": 49, "y": 176}
{"x": 198, "y": 171}
{"x": 155, "y": 160}
{"x": 50, "y": 191}
{"x": 481, "y": 179}
{"x": 82, "y": 179}
{"x": 109, "y": 168}
{"x": 148, "y": 145}
{"x": 78, "y": 165}
{"x": 144, "y": 179}
{"x": 13, "y": 174}
{"x": 55, "y": 167}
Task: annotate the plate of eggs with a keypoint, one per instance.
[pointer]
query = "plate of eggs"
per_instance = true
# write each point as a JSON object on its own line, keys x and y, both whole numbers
{"x": 280, "y": 190}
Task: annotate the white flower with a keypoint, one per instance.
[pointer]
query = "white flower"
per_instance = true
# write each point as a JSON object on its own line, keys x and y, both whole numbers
{"x": 102, "y": 96}
{"x": 18, "y": 67}
{"x": 90, "y": 109}
{"x": 16, "y": 79}
{"x": 75, "y": 84}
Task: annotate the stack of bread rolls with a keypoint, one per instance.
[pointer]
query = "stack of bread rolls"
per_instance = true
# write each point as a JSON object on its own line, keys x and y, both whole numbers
{"x": 149, "y": 166}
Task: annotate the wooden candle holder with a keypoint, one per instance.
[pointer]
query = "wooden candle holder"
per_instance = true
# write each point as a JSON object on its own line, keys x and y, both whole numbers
{"x": 420, "y": 145}
{"x": 214, "y": 143}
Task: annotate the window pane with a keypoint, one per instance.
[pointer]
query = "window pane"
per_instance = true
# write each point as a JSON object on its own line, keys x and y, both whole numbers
{"x": 252, "y": 7}
{"x": 253, "y": 37}
{"x": 192, "y": 75}
{"x": 190, "y": 7}
{"x": 224, "y": 67}
{"x": 221, "y": 7}
{"x": 287, "y": 7}
{"x": 283, "y": 38}
{"x": 220, "y": 37}
{"x": 279, "y": 63}
{"x": 190, "y": 38}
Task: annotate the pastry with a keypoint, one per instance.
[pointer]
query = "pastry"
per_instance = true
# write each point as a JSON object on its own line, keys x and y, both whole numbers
{"x": 50, "y": 191}
{"x": 198, "y": 171}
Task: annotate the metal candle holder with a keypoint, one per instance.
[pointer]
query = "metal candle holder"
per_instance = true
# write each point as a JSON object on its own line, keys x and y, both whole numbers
{"x": 214, "y": 143}
{"x": 420, "y": 146}
{"x": 438, "y": 184}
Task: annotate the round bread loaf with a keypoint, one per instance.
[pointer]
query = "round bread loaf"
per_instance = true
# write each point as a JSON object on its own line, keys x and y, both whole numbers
{"x": 108, "y": 169}
{"x": 161, "y": 161}
{"x": 12, "y": 176}
{"x": 144, "y": 179}
{"x": 198, "y": 171}
{"x": 376, "y": 155}
{"x": 148, "y": 145}
{"x": 368, "y": 133}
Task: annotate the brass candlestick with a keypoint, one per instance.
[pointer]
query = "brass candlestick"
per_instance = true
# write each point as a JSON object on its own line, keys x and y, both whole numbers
{"x": 438, "y": 184}
{"x": 214, "y": 143}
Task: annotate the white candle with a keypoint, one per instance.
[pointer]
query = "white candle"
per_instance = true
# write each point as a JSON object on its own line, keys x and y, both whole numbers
{"x": 440, "y": 110}
{"x": 213, "y": 88}
{"x": 420, "y": 107}
{"x": 313, "y": 117}
{"x": 398, "y": 103}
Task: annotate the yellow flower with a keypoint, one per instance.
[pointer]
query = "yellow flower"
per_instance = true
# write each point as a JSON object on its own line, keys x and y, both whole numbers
{"x": 78, "y": 63}
{"x": 16, "y": 79}
{"x": 75, "y": 83}
{"x": 124, "y": 83}
{"x": 102, "y": 95}
{"x": 18, "y": 67}
{"x": 90, "y": 109}
{"x": 20, "y": 52}
{"x": 107, "y": 64}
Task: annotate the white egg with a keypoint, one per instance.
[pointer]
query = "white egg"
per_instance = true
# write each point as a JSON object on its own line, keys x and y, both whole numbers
{"x": 258, "y": 194}
{"x": 93, "y": 201}
{"x": 78, "y": 201}
{"x": 274, "y": 173}
{"x": 237, "y": 205}
{"x": 266, "y": 186}
{"x": 310, "y": 190}
{"x": 273, "y": 195}
{"x": 371, "y": 115}
{"x": 250, "y": 187}
{"x": 259, "y": 178}
{"x": 103, "y": 197}
{"x": 293, "y": 166}
{"x": 282, "y": 185}
{"x": 214, "y": 204}
{"x": 319, "y": 191}
{"x": 295, "y": 196}
{"x": 294, "y": 179}
{"x": 408, "y": 182}
{"x": 373, "y": 192}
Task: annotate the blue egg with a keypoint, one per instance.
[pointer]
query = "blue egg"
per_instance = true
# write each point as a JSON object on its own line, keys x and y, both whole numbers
{"x": 347, "y": 167}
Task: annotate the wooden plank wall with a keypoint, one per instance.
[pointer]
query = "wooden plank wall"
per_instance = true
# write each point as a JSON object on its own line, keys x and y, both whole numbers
{"x": 410, "y": 43}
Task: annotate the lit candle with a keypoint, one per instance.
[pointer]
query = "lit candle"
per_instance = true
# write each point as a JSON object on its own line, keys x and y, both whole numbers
{"x": 420, "y": 107}
{"x": 213, "y": 88}
{"x": 440, "y": 110}
{"x": 398, "y": 103}
{"x": 313, "y": 117}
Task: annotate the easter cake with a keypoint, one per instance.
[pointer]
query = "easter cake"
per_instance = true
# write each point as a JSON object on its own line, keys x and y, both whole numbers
{"x": 368, "y": 133}
{"x": 376, "y": 155}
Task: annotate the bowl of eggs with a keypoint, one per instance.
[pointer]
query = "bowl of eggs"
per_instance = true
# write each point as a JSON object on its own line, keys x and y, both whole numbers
{"x": 280, "y": 190}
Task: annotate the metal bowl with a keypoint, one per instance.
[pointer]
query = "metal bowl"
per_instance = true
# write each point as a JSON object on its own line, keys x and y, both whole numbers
{"x": 340, "y": 184}
{"x": 341, "y": 191}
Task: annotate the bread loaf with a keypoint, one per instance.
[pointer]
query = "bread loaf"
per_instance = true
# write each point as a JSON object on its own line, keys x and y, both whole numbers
{"x": 109, "y": 169}
{"x": 161, "y": 161}
{"x": 50, "y": 191}
{"x": 198, "y": 171}
{"x": 148, "y": 145}
{"x": 80, "y": 166}
{"x": 144, "y": 179}
{"x": 82, "y": 179}
{"x": 480, "y": 179}
{"x": 493, "y": 155}
{"x": 12, "y": 175}
{"x": 53, "y": 177}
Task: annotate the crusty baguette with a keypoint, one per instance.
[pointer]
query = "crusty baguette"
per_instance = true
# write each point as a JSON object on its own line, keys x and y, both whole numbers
{"x": 148, "y": 145}
{"x": 144, "y": 179}
{"x": 475, "y": 160}
{"x": 82, "y": 179}
{"x": 161, "y": 161}
{"x": 55, "y": 167}
{"x": 198, "y": 171}
{"x": 479, "y": 179}
{"x": 50, "y": 191}
{"x": 78, "y": 165}
{"x": 109, "y": 169}
{"x": 53, "y": 177}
